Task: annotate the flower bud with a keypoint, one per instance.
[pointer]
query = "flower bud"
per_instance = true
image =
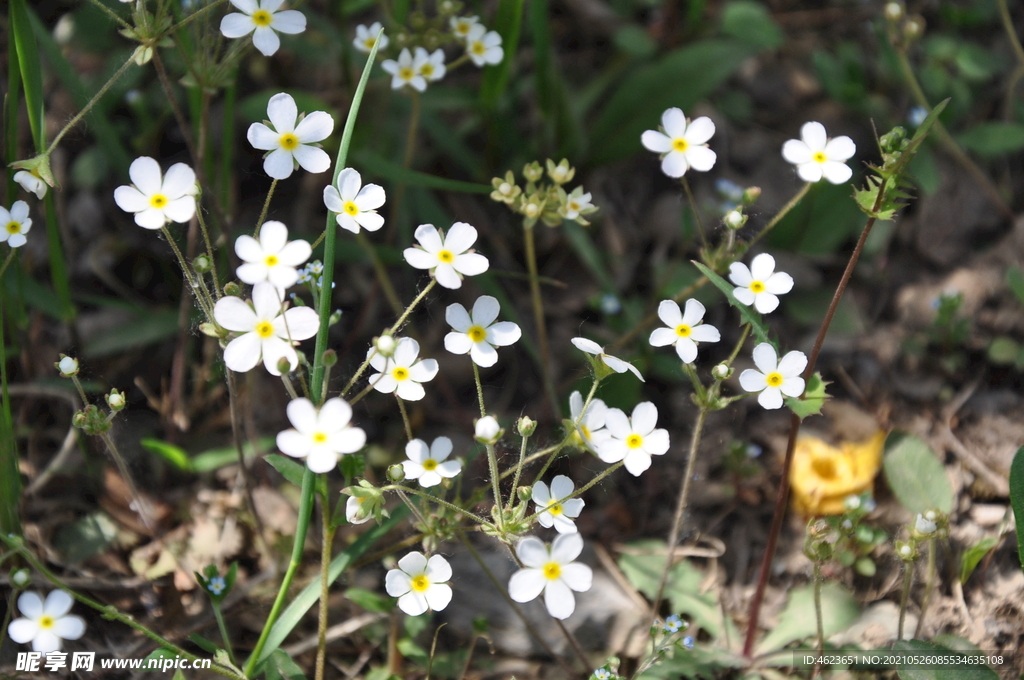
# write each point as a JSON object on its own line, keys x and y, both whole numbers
{"x": 232, "y": 288}
{"x": 904, "y": 551}
{"x": 335, "y": 316}
{"x": 750, "y": 194}
{"x": 115, "y": 400}
{"x": 396, "y": 473}
{"x": 735, "y": 219}
{"x": 924, "y": 526}
{"x": 533, "y": 171}
{"x": 284, "y": 366}
{"x": 79, "y": 419}
{"x": 67, "y": 366}
{"x": 21, "y": 577}
{"x": 385, "y": 345}
{"x": 722, "y": 372}
{"x": 931, "y": 515}
{"x": 561, "y": 173}
{"x": 526, "y": 426}
{"x": 201, "y": 264}
{"x": 893, "y": 11}
{"x": 488, "y": 431}
{"x": 524, "y": 493}
{"x": 330, "y": 357}
{"x": 913, "y": 28}
{"x": 852, "y": 502}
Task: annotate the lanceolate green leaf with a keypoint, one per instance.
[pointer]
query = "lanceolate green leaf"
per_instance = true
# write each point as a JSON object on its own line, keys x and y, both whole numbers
{"x": 1017, "y": 498}
{"x": 748, "y": 314}
{"x": 507, "y": 23}
{"x": 31, "y": 70}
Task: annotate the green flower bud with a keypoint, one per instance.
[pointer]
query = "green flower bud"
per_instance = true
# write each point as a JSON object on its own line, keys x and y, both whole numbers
{"x": 526, "y": 426}
{"x": 284, "y": 366}
{"x": 561, "y": 173}
{"x": 396, "y": 473}
{"x": 232, "y": 288}
{"x": 201, "y": 264}
{"x": 21, "y": 577}
{"x": 893, "y": 11}
{"x": 330, "y": 357}
{"x": 722, "y": 372}
{"x": 533, "y": 171}
{"x": 68, "y": 366}
{"x": 750, "y": 194}
{"x": 116, "y": 400}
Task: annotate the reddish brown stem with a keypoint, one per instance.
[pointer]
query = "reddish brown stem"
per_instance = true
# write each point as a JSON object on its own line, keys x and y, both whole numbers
{"x": 794, "y": 430}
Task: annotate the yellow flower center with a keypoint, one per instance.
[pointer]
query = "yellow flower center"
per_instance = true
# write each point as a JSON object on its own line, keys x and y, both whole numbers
{"x": 476, "y": 333}
{"x": 462, "y": 27}
{"x": 264, "y": 329}
{"x": 400, "y": 373}
{"x": 586, "y": 432}
{"x": 756, "y": 286}
{"x": 420, "y": 583}
{"x": 634, "y": 441}
{"x": 446, "y": 256}
{"x": 573, "y": 205}
{"x": 351, "y": 208}
{"x": 289, "y": 141}
{"x": 271, "y": 260}
{"x": 478, "y": 48}
{"x": 13, "y": 227}
{"x": 552, "y": 570}
{"x": 683, "y": 331}
{"x": 369, "y": 43}
{"x": 820, "y": 157}
{"x": 427, "y": 70}
{"x": 429, "y": 464}
{"x": 825, "y": 466}
{"x": 261, "y": 17}
{"x": 46, "y": 622}
{"x": 773, "y": 379}
{"x": 158, "y": 200}
{"x": 680, "y": 144}
{"x": 319, "y": 437}
{"x": 406, "y": 73}
{"x": 555, "y": 508}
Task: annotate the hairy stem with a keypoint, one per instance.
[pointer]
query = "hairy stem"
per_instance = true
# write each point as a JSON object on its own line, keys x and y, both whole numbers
{"x": 908, "y": 578}
{"x": 92, "y": 102}
{"x": 224, "y": 632}
{"x": 266, "y": 207}
{"x": 929, "y": 585}
{"x": 327, "y": 540}
{"x": 538, "y": 318}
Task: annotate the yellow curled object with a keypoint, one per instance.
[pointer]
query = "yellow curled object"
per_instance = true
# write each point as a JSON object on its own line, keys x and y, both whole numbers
{"x": 822, "y": 475}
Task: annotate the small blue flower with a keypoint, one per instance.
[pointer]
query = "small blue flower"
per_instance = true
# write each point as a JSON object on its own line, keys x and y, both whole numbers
{"x": 602, "y": 674}
{"x": 610, "y": 304}
{"x": 917, "y": 115}
{"x": 216, "y": 585}
{"x": 673, "y": 624}
{"x": 688, "y": 642}
{"x": 869, "y": 504}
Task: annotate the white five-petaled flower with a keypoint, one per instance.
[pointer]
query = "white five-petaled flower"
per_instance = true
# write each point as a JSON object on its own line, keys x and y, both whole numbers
{"x": 774, "y": 378}
{"x": 45, "y": 624}
{"x": 761, "y": 284}
{"x": 401, "y": 373}
{"x": 461, "y": 26}
{"x": 483, "y": 46}
{"x": 31, "y": 183}
{"x": 290, "y": 144}
{"x": 355, "y": 205}
{"x": 476, "y": 334}
{"x": 684, "y": 330}
{"x": 816, "y": 156}
{"x": 14, "y": 224}
{"x": 266, "y": 19}
{"x": 271, "y": 258}
{"x": 267, "y": 333}
{"x": 430, "y": 465}
{"x": 404, "y": 72}
{"x": 157, "y": 199}
{"x": 321, "y": 436}
{"x": 449, "y": 258}
{"x": 352, "y": 511}
{"x": 419, "y": 583}
{"x": 683, "y": 145}
{"x": 430, "y": 65}
{"x": 554, "y": 507}
{"x": 366, "y": 38}
{"x": 551, "y": 569}
{"x": 614, "y": 363}
{"x": 590, "y": 425}
{"x": 633, "y": 440}
{"x": 216, "y": 585}
{"x": 576, "y": 203}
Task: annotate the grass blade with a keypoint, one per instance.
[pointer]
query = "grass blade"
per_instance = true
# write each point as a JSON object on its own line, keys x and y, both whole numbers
{"x": 31, "y": 70}
{"x": 507, "y": 23}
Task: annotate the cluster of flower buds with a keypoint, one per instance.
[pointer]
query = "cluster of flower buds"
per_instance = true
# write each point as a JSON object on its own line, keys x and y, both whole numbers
{"x": 846, "y": 538}
{"x": 904, "y": 29}
{"x": 548, "y": 202}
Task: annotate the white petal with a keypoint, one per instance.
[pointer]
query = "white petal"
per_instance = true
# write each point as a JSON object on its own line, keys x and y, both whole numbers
{"x": 577, "y": 576}
{"x": 248, "y": 249}
{"x": 686, "y": 349}
{"x": 179, "y": 181}
{"x": 739, "y": 274}
{"x": 293, "y": 443}
{"x": 266, "y": 41}
{"x": 181, "y": 209}
{"x": 289, "y": 21}
{"x": 440, "y": 449}
{"x": 419, "y": 258}
{"x": 694, "y": 313}
{"x": 526, "y": 584}
{"x": 460, "y": 238}
{"x": 540, "y": 494}
{"x": 765, "y": 358}
{"x": 414, "y": 563}
{"x": 263, "y": 138}
{"x": 705, "y": 333}
{"x": 446, "y": 276}
{"x": 429, "y": 478}
{"x": 322, "y": 460}
{"x": 470, "y": 264}
{"x": 294, "y": 253}
{"x": 809, "y": 172}
{"x": 674, "y": 122}
{"x": 315, "y": 127}
{"x": 30, "y": 604}
{"x": 483, "y": 354}
{"x": 423, "y": 371}
{"x": 335, "y": 414}
{"x": 397, "y": 583}
{"x": 130, "y": 199}
{"x": 243, "y": 353}
{"x": 45, "y": 642}
{"x": 384, "y": 384}
{"x": 612, "y": 450}
{"x": 439, "y": 595}
{"x": 266, "y": 300}
{"x": 412, "y": 470}
{"x": 302, "y": 415}
{"x": 559, "y": 598}
{"x": 793, "y": 364}
{"x": 449, "y": 468}
{"x": 765, "y": 303}
{"x": 656, "y": 141}
{"x": 438, "y": 570}
{"x": 701, "y": 158}
{"x": 814, "y": 136}
{"x": 458, "y": 343}
{"x": 792, "y": 387}
{"x": 779, "y": 283}
{"x": 279, "y": 164}
{"x": 645, "y": 418}
{"x": 145, "y": 174}
{"x": 752, "y": 381}
{"x": 668, "y": 312}
{"x": 370, "y": 221}
{"x": 311, "y": 159}
{"x": 656, "y": 443}
{"x": 300, "y": 323}
{"x": 417, "y": 451}
{"x": 762, "y": 266}
{"x": 485, "y": 311}
{"x": 588, "y": 346}
{"x": 236, "y": 25}
{"x": 458, "y": 318}
{"x": 572, "y": 507}
{"x": 370, "y": 197}
{"x": 565, "y": 549}
{"x": 770, "y": 398}
{"x": 429, "y": 238}
{"x": 562, "y": 524}
{"x": 674, "y": 164}
{"x": 23, "y": 631}
{"x": 840, "y": 149}
{"x": 413, "y": 603}
{"x": 532, "y": 552}
{"x": 637, "y": 461}
{"x": 233, "y": 314}
{"x": 618, "y": 423}
{"x": 410, "y": 391}
{"x": 561, "y": 486}
{"x": 662, "y": 337}
{"x": 700, "y": 130}
{"x": 744, "y": 296}
{"x": 836, "y": 172}
{"x": 275, "y": 349}
{"x": 796, "y": 152}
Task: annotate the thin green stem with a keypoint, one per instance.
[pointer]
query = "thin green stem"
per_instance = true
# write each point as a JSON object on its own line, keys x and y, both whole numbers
{"x": 185, "y": 269}
{"x": 209, "y": 252}
{"x": 195, "y": 15}
{"x": 538, "y": 317}
{"x": 381, "y": 272}
{"x": 929, "y": 585}
{"x": 7, "y": 261}
{"x": 799, "y": 196}
{"x": 696, "y": 213}
{"x": 817, "y": 607}
{"x": 519, "y": 470}
{"x": 412, "y": 507}
{"x": 405, "y": 417}
{"x": 908, "y": 577}
{"x": 440, "y": 501}
{"x": 492, "y": 463}
{"x": 224, "y": 632}
{"x": 141, "y": 505}
{"x": 540, "y": 454}
{"x": 266, "y": 207}
{"x": 586, "y": 487}
{"x": 110, "y": 13}
{"x": 92, "y": 102}
{"x": 479, "y": 389}
{"x": 327, "y": 541}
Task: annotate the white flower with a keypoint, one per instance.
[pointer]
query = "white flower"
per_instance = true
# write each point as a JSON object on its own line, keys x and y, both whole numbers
{"x": 352, "y": 514}
{"x": 401, "y": 373}
{"x": 461, "y": 26}
{"x": 419, "y": 583}
{"x": 68, "y": 366}
{"x": 21, "y": 578}
{"x": 576, "y": 203}
{"x": 635, "y": 439}
{"x": 774, "y": 378}
{"x": 487, "y": 430}
{"x": 684, "y": 330}
{"x": 355, "y": 205}
{"x": 404, "y": 72}
{"x": 31, "y": 183}
{"x": 14, "y": 224}
{"x": 272, "y": 258}
{"x": 551, "y": 570}
{"x": 45, "y": 624}
{"x": 430, "y": 66}
{"x": 483, "y": 46}
{"x": 554, "y": 510}
{"x": 614, "y": 363}
{"x": 158, "y": 199}
{"x": 477, "y": 334}
{"x": 385, "y": 345}
{"x": 923, "y": 525}
{"x": 263, "y": 17}
{"x": 761, "y": 284}
{"x": 290, "y": 144}
{"x": 590, "y": 424}
{"x": 448, "y": 259}
{"x": 366, "y": 38}
{"x": 321, "y": 436}
{"x": 684, "y": 146}
{"x": 816, "y": 156}
{"x": 430, "y": 465}
{"x": 266, "y": 331}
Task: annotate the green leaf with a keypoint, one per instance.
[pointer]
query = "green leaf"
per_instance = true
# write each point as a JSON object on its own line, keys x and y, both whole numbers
{"x": 950, "y": 672}
{"x": 280, "y": 666}
{"x": 916, "y": 475}
{"x": 288, "y": 468}
{"x": 203, "y": 643}
{"x": 375, "y": 164}
{"x": 215, "y": 459}
{"x": 839, "y": 609}
{"x": 993, "y": 139}
{"x": 507, "y": 22}
{"x": 31, "y": 69}
{"x": 1017, "y": 498}
{"x": 1015, "y": 280}
{"x": 812, "y": 401}
{"x": 145, "y": 329}
{"x": 975, "y": 554}
{"x": 311, "y": 593}
{"x": 752, "y": 23}
{"x": 749, "y": 315}
{"x": 175, "y": 455}
{"x": 369, "y": 600}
